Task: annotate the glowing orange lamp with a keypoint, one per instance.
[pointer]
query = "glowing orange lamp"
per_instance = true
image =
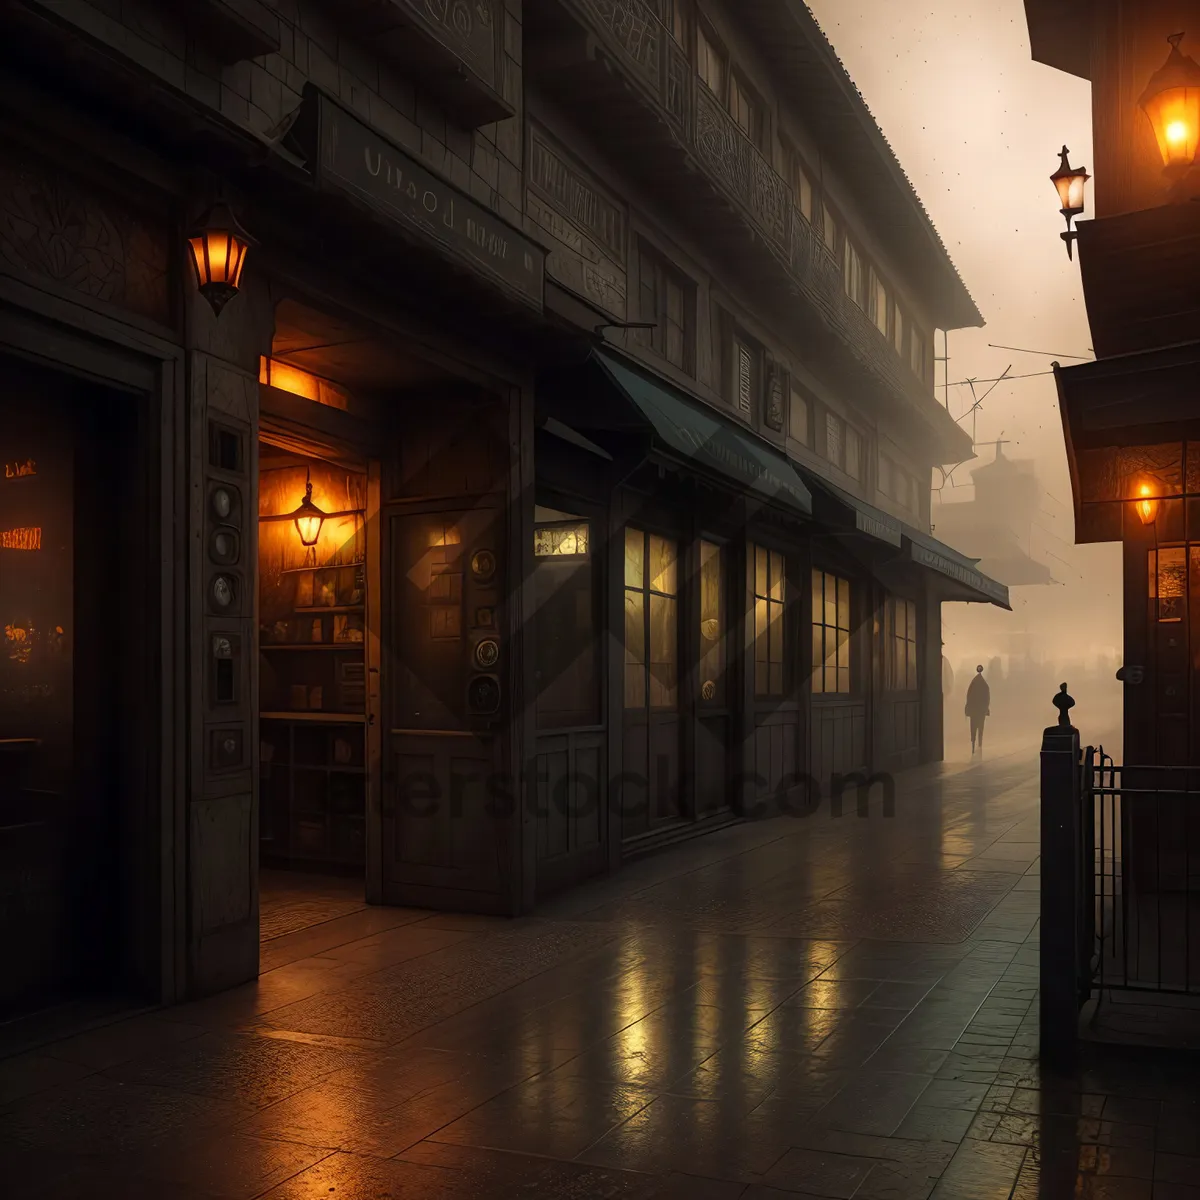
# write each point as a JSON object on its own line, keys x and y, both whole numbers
{"x": 1171, "y": 101}
{"x": 308, "y": 517}
{"x": 1070, "y": 182}
{"x": 217, "y": 249}
{"x": 1146, "y": 504}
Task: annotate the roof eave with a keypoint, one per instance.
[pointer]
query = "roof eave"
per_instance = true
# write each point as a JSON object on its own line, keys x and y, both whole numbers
{"x": 1059, "y": 35}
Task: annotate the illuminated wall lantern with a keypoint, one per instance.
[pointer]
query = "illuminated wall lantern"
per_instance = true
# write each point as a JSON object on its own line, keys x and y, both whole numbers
{"x": 308, "y": 517}
{"x": 1070, "y": 182}
{"x": 218, "y": 248}
{"x": 1146, "y": 504}
{"x": 1171, "y": 101}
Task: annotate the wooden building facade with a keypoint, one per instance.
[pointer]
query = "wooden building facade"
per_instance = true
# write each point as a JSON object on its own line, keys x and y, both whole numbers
{"x": 417, "y": 561}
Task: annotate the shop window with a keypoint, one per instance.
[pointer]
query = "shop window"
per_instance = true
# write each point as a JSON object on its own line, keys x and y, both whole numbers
{"x": 711, "y": 62}
{"x": 853, "y": 275}
{"x": 853, "y": 453}
{"x": 712, "y": 625}
{"x": 879, "y": 304}
{"x": 1167, "y": 573}
{"x": 798, "y": 417}
{"x": 769, "y": 597}
{"x": 651, "y": 616}
{"x": 830, "y": 634}
{"x": 900, "y": 645}
{"x": 667, "y": 300}
{"x": 564, "y": 626}
{"x": 746, "y": 109}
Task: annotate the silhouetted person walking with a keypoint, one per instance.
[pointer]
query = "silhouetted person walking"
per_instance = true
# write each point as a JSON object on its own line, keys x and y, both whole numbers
{"x": 979, "y": 706}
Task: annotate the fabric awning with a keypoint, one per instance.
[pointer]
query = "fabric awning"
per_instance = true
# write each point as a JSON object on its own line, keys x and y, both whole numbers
{"x": 836, "y": 507}
{"x": 700, "y": 437}
{"x": 968, "y": 582}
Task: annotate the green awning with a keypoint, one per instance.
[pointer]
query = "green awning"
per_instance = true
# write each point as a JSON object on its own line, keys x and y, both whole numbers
{"x": 688, "y": 430}
{"x": 973, "y": 584}
{"x": 837, "y": 507}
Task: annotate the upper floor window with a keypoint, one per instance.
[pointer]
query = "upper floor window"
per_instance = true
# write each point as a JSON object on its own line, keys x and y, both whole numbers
{"x": 879, "y": 304}
{"x": 711, "y": 62}
{"x": 835, "y": 439}
{"x": 918, "y": 355}
{"x": 798, "y": 417}
{"x": 899, "y": 329}
{"x": 677, "y": 18}
{"x": 829, "y": 228}
{"x": 746, "y": 109}
{"x": 853, "y": 274}
{"x": 801, "y": 184}
{"x": 666, "y": 298}
{"x": 853, "y": 466}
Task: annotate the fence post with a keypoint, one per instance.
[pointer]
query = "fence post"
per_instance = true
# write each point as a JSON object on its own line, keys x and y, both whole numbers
{"x": 1059, "y": 955}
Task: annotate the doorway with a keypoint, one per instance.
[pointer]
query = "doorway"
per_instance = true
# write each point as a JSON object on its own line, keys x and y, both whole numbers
{"x": 74, "y": 638}
{"x": 314, "y": 609}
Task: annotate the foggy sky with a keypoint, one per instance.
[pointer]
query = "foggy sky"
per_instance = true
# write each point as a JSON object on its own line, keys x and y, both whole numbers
{"x": 978, "y": 127}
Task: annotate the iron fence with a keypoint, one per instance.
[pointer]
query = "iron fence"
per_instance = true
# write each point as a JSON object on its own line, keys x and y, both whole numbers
{"x": 1139, "y": 910}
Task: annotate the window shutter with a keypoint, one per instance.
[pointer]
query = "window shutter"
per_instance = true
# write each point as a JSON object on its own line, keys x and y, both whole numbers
{"x": 745, "y": 379}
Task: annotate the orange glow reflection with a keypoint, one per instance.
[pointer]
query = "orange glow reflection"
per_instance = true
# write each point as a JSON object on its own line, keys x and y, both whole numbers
{"x": 287, "y": 378}
{"x": 1147, "y": 506}
{"x": 25, "y": 538}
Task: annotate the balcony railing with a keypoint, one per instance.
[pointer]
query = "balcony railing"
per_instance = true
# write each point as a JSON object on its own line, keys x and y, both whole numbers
{"x": 642, "y": 47}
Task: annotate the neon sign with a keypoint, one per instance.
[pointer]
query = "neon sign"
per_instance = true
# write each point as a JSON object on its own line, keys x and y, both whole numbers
{"x": 24, "y": 538}
{"x": 20, "y": 470}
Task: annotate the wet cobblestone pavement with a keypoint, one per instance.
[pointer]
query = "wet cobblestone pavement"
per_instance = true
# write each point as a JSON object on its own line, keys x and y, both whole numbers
{"x": 796, "y": 1008}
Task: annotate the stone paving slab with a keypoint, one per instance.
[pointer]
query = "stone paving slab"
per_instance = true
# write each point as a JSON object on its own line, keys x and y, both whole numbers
{"x": 839, "y": 1008}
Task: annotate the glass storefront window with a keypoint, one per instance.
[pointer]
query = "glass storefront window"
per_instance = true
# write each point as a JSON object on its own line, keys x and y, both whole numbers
{"x": 830, "y": 634}
{"x": 712, "y": 625}
{"x": 769, "y": 598}
{"x": 900, "y": 645}
{"x": 651, "y": 621}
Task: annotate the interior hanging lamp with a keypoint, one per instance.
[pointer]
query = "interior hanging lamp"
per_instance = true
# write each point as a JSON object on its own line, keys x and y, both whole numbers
{"x": 308, "y": 517}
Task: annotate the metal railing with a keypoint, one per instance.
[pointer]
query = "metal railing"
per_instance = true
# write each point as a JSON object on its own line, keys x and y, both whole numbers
{"x": 1139, "y": 899}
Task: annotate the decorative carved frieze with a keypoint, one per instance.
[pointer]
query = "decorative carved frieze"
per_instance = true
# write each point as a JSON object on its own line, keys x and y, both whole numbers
{"x": 776, "y": 390}
{"x": 634, "y": 28}
{"x": 55, "y": 226}
{"x": 721, "y": 145}
{"x": 467, "y": 27}
{"x": 575, "y": 194}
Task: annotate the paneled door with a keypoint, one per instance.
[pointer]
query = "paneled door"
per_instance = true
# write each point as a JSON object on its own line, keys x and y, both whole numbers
{"x": 446, "y": 811}
{"x": 650, "y": 788}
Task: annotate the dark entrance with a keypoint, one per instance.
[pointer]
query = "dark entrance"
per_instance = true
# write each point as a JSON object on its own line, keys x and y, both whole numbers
{"x": 72, "y": 587}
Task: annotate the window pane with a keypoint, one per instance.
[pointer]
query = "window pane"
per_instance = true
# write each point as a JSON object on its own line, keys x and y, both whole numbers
{"x": 829, "y": 228}
{"x": 798, "y": 417}
{"x": 843, "y": 603}
{"x": 818, "y": 658}
{"x": 879, "y": 303}
{"x": 711, "y": 63}
{"x": 802, "y": 186}
{"x": 564, "y": 630}
{"x": 662, "y": 565}
{"x": 777, "y": 579}
{"x": 831, "y": 680}
{"x": 834, "y": 448}
{"x": 912, "y": 666}
{"x": 635, "y": 546}
{"x": 853, "y": 454}
{"x": 712, "y": 625}
{"x": 843, "y": 648}
{"x": 635, "y": 650}
{"x": 898, "y": 329}
{"x": 760, "y": 630}
{"x": 843, "y": 677}
{"x": 818, "y": 598}
{"x": 663, "y": 648}
{"x": 776, "y": 632}
{"x": 760, "y": 571}
{"x": 830, "y": 617}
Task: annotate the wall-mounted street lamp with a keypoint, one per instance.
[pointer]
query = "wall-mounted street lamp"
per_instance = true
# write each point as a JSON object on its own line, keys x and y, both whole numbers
{"x": 217, "y": 248}
{"x": 1070, "y": 182}
{"x": 308, "y": 517}
{"x": 1171, "y": 101}
{"x": 1146, "y": 504}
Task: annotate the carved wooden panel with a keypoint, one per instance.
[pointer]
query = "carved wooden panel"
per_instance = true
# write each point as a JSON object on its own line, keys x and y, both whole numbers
{"x": 467, "y": 27}
{"x": 776, "y": 390}
{"x": 587, "y": 227}
{"x": 720, "y": 144}
{"x": 632, "y": 26}
{"x": 55, "y": 226}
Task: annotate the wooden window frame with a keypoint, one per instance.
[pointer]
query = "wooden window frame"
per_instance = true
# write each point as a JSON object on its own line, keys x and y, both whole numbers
{"x": 825, "y": 636}
{"x": 647, "y": 593}
{"x": 852, "y": 258}
{"x": 757, "y": 134}
{"x": 796, "y": 393}
{"x": 705, "y": 34}
{"x": 649, "y": 257}
{"x": 875, "y": 285}
{"x": 680, "y": 12}
{"x": 901, "y": 649}
{"x": 768, "y": 619}
{"x": 797, "y": 171}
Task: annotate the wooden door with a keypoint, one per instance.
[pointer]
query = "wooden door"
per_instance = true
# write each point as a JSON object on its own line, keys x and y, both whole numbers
{"x": 714, "y": 712}
{"x": 446, "y": 812}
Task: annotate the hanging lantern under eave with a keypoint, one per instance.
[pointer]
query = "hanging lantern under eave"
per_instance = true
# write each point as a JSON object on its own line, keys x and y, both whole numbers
{"x": 1171, "y": 102}
{"x": 308, "y": 517}
{"x": 1070, "y": 183}
{"x": 218, "y": 249}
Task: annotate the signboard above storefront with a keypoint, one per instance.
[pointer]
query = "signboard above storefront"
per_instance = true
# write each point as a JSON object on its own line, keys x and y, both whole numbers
{"x": 352, "y": 159}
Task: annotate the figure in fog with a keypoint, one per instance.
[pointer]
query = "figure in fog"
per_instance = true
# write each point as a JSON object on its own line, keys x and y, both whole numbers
{"x": 979, "y": 706}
